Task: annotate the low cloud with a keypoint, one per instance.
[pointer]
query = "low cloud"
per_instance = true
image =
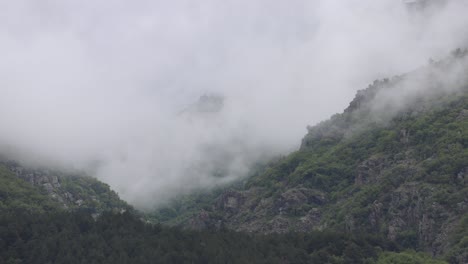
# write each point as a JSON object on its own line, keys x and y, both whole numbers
{"x": 100, "y": 85}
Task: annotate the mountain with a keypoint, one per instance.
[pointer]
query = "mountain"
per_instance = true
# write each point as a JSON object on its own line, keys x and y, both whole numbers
{"x": 38, "y": 226}
{"x": 65, "y": 190}
{"x": 207, "y": 103}
{"x": 16, "y": 194}
{"x": 386, "y": 181}
{"x": 394, "y": 163}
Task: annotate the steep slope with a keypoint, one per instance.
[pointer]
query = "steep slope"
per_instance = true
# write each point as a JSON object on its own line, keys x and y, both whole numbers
{"x": 395, "y": 162}
{"x": 36, "y": 228}
{"x": 18, "y": 195}
{"x": 71, "y": 191}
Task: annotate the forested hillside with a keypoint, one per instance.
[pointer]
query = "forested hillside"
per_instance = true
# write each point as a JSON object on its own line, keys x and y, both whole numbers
{"x": 394, "y": 163}
{"x": 18, "y": 195}
{"x": 36, "y": 228}
{"x": 67, "y": 190}
{"x": 64, "y": 237}
{"x": 324, "y": 131}
{"x": 383, "y": 182}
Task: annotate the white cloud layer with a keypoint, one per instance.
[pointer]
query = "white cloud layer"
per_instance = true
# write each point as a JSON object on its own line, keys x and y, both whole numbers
{"x": 100, "y": 83}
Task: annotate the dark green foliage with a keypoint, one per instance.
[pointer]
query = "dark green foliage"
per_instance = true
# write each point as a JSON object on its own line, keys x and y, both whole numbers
{"x": 96, "y": 196}
{"x": 459, "y": 241}
{"x": 435, "y": 152}
{"x": 183, "y": 207}
{"x": 69, "y": 190}
{"x": 16, "y": 194}
{"x": 63, "y": 237}
{"x": 407, "y": 257}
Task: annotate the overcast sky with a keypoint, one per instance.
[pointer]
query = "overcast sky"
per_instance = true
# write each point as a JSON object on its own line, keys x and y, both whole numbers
{"x": 99, "y": 84}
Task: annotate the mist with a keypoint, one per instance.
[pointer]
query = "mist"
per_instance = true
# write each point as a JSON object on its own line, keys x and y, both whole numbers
{"x": 104, "y": 86}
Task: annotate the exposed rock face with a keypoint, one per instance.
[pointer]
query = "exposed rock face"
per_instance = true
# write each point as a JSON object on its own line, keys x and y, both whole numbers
{"x": 463, "y": 115}
{"x": 204, "y": 220}
{"x": 407, "y": 214}
{"x": 230, "y": 201}
{"x": 206, "y": 104}
{"x": 294, "y": 200}
{"x": 244, "y": 211}
{"x": 376, "y": 215}
{"x": 43, "y": 178}
{"x": 412, "y": 206}
{"x": 404, "y": 136}
{"x": 415, "y": 216}
{"x": 462, "y": 176}
{"x": 369, "y": 170}
{"x": 80, "y": 192}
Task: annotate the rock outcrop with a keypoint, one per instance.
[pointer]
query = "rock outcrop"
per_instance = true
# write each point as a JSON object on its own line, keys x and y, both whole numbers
{"x": 72, "y": 191}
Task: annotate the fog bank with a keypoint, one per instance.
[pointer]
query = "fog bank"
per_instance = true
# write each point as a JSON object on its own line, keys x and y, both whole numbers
{"x": 109, "y": 86}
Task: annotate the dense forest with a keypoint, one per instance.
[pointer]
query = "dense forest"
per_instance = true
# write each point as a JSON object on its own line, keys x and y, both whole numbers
{"x": 64, "y": 237}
